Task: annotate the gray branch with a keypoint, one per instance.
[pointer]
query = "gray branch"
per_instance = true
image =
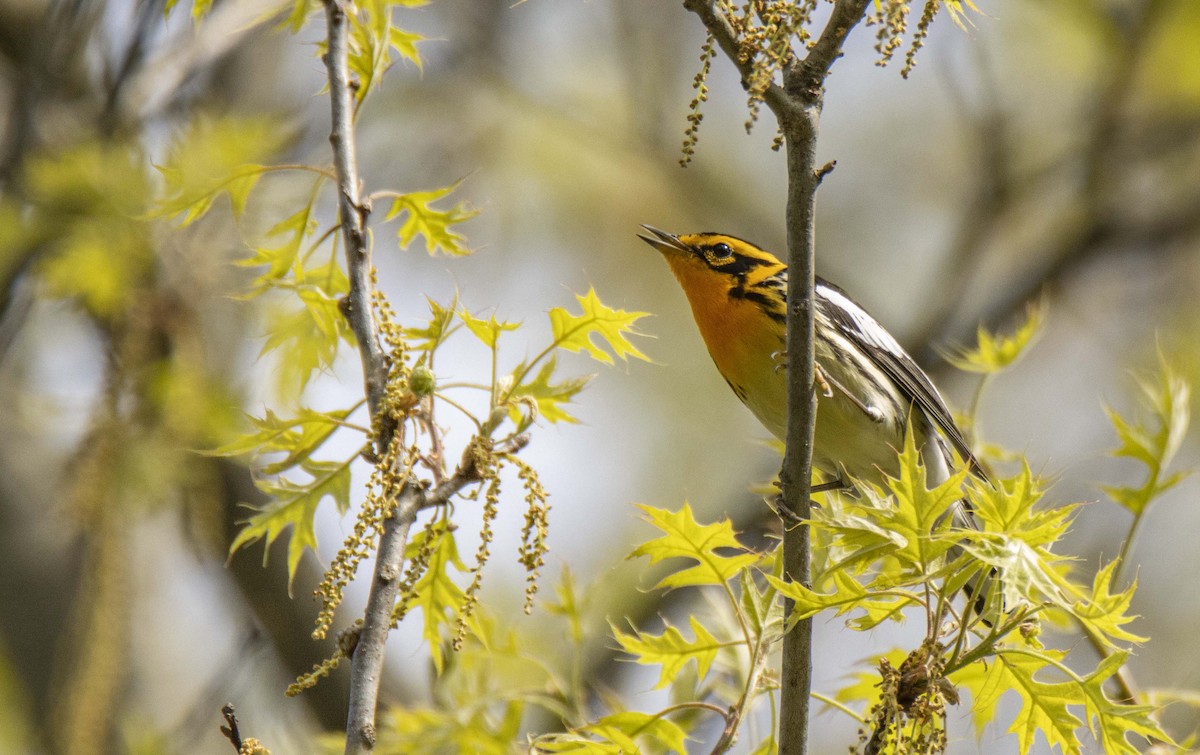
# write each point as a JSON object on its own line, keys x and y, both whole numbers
{"x": 366, "y": 667}
{"x": 797, "y": 107}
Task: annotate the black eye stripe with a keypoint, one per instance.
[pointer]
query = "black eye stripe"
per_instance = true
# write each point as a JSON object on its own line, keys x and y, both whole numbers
{"x": 731, "y": 263}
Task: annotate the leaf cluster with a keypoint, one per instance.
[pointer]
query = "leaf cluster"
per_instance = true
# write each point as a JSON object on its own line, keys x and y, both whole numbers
{"x": 894, "y": 554}
{"x": 302, "y": 280}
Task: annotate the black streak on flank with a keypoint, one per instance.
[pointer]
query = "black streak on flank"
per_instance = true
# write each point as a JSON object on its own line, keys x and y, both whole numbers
{"x": 739, "y": 392}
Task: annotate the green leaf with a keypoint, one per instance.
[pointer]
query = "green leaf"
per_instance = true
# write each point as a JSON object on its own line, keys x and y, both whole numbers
{"x": 994, "y": 353}
{"x": 548, "y": 398}
{"x": 433, "y": 225}
{"x": 488, "y": 330}
{"x": 628, "y": 726}
{"x": 435, "y": 331}
{"x": 576, "y": 744}
{"x": 307, "y": 338}
{"x": 279, "y": 260}
{"x": 920, "y": 512}
{"x": 575, "y": 332}
{"x": 405, "y": 43}
{"x": 1106, "y": 613}
{"x": 1156, "y": 441}
{"x": 685, "y": 538}
{"x": 295, "y": 505}
{"x": 214, "y": 157}
{"x": 848, "y": 595}
{"x": 437, "y": 595}
{"x": 1046, "y": 706}
{"x": 671, "y": 649}
{"x": 297, "y": 437}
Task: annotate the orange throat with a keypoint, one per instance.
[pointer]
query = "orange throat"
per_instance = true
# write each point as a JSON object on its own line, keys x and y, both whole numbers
{"x": 739, "y": 340}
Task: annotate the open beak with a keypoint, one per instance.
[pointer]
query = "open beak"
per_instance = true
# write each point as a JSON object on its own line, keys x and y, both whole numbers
{"x": 667, "y": 243}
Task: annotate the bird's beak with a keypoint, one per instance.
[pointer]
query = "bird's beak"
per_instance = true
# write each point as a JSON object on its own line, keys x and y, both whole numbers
{"x": 667, "y": 243}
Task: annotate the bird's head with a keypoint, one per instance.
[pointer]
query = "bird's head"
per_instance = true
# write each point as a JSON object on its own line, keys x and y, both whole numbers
{"x": 716, "y": 252}
{"x": 713, "y": 262}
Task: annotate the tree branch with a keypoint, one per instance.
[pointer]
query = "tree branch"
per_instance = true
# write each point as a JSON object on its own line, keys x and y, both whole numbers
{"x": 353, "y": 214}
{"x": 366, "y": 666}
{"x": 797, "y": 107}
{"x": 722, "y": 31}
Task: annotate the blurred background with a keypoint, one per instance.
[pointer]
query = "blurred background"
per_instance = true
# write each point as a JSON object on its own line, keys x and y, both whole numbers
{"x": 1049, "y": 150}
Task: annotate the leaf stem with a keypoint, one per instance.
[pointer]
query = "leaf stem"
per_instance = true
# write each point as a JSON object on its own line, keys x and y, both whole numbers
{"x": 1127, "y": 547}
{"x": 838, "y": 704}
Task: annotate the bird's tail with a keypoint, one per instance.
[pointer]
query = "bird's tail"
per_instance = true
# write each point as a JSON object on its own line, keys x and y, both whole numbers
{"x": 985, "y": 593}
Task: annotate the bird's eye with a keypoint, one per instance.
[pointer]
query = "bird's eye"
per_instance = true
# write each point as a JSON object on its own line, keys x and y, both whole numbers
{"x": 722, "y": 250}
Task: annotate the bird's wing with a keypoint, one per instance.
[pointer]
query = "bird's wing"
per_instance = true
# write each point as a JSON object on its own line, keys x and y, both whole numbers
{"x": 887, "y": 353}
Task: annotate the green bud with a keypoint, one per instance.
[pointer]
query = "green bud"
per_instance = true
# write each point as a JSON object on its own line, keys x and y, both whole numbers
{"x": 421, "y": 381}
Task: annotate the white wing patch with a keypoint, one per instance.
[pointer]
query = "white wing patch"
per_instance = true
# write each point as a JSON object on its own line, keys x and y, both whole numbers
{"x": 870, "y": 330}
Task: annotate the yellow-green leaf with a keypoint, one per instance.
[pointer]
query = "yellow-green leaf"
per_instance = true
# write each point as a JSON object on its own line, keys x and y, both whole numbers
{"x": 213, "y": 157}
{"x": 437, "y": 595}
{"x": 848, "y": 594}
{"x": 295, "y": 505}
{"x": 671, "y": 650}
{"x": 435, "y": 331}
{"x": 577, "y": 744}
{"x": 627, "y": 727}
{"x": 918, "y": 512}
{"x": 1153, "y": 442}
{"x": 296, "y": 437}
{"x": 1045, "y": 706}
{"x": 994, "y": 352}
{"x": 405, "y": 43}
{"x": 279, "y": 260}
{"x": 488, "y": 330}
{"x": 575, "y": 332}
{"x": 548, "y": 397}
{"x": 865, "y": 688}
{"x": 307, "y": 338}
{"x": 684, "y": 537}
{"x": 435, "y": 226}
{"x": 1105, "y": 612}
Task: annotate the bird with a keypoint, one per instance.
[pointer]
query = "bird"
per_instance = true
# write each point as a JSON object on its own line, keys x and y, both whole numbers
{"x": 869, "y": 390}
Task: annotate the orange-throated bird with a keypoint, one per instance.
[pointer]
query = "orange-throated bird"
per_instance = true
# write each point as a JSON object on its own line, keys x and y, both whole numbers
{"x": 869, "y": 388}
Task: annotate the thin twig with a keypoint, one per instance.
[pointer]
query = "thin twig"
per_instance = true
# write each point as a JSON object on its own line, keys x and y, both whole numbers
{"x": 469, "y": 471}
{"x": 718, "y": 25}
{"x": 231, "y": 731}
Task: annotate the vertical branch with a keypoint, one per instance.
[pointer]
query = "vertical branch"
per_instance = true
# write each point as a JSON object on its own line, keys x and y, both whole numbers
{"x": 804, "y": 83}
{"x": 797, "y": 107}
{"x": 366, "y": 662}
{"x": 795, "y": 477}
{"x": 351, "y": 210}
